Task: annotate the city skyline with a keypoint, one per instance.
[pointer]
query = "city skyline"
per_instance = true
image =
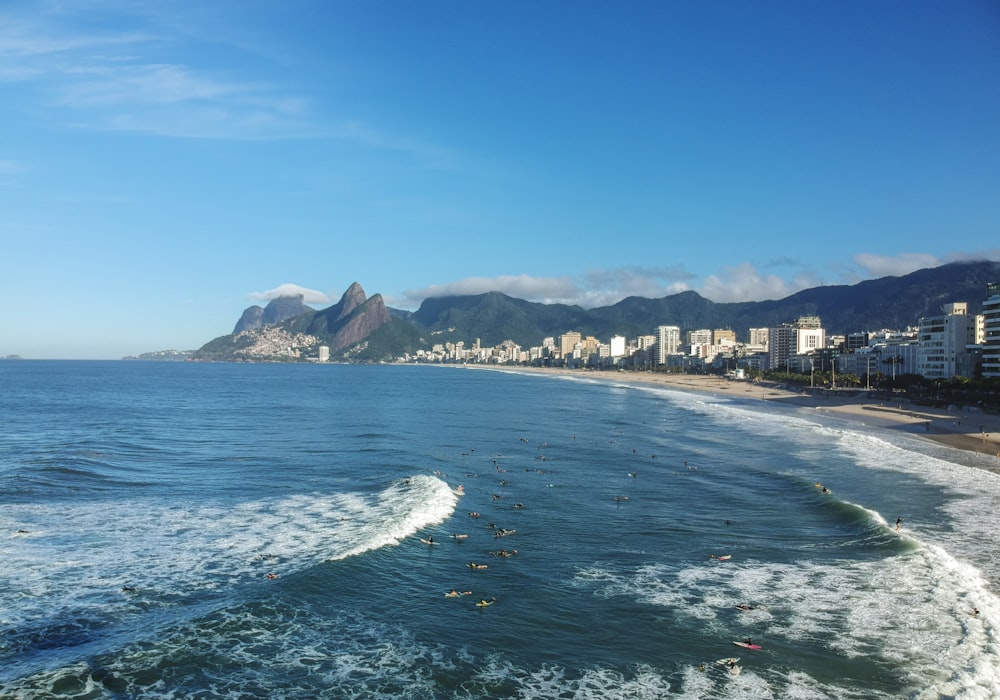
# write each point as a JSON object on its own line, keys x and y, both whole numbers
{"x": 172, "y": 164}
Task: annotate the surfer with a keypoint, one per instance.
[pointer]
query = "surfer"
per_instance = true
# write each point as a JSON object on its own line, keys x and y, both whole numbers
{"x": 899, "y": 524}
{"x": 744, "y": 606}
{"x": 455, "y": 594}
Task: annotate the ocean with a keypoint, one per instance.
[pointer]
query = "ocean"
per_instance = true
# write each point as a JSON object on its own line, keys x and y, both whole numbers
{"x": 181, "y": 530}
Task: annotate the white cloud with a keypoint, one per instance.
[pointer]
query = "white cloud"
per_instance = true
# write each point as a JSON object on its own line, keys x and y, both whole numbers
{"x": 595, "y": 288}
{"x": 742, "y": 282}
{"x": 902, "y": 264}
{"x": 309, "y": 296}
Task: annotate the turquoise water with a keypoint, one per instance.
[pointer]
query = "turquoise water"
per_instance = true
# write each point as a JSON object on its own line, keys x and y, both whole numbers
{"x": 241, "y": 531}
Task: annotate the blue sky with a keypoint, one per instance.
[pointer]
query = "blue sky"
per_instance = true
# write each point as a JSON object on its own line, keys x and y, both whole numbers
{"x": 165, "y": 165}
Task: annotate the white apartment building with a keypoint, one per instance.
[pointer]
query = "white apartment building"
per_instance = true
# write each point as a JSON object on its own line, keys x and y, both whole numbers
{"x": 702, "y": 336}
{"x": 991, "y": 332}
{"x": 944, "y": 341}
{"x": 668, "y": 342}
{"x": 617, "y": 346}
{"x": 757, "y": 340}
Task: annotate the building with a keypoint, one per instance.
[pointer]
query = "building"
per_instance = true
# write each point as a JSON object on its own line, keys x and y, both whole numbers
{"x": 668, "y": 342}
{"x": 324, "y": 353}
{"x": 991, "y": 332}
{"x": 757, "y": 338}
{"x": 701, "y": 336}
{"x": 779, "y": 341}
{"x": 567, "y": 342}
{"x": 723, "y": 336}
{"x": 617, "y": 346}
{"x": 944, "y": 342}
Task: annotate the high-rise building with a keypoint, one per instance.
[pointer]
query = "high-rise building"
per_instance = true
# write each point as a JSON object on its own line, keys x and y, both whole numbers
{"x": 944, "y": 341}
{"x": 617, "y": 346}
{"x": 567, "y": 342}
{"x": 720, "y": 336}
{"x": 757, "y": 338}
{"x": 668, "y": 342}
{"x": 991, "y": 332}
{"x": 702, "y": 336}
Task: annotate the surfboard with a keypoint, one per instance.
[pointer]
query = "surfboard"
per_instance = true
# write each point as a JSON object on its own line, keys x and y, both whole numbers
{"x": 484, "y": 603}
{"x": 725, "y": 557}
{"x": 747, "y": 646}
{"x": 726, "y": 662}
{"x": 427, "y": 541}
{"x": 459, "y": 537}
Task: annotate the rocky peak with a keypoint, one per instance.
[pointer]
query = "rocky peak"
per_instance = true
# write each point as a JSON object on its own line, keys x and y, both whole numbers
{"x": 276, "y": 311}
{"x": 353, "y": 298}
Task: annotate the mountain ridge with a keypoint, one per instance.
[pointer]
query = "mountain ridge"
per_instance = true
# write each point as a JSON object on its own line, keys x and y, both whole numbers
{"x": 365, "y": 329}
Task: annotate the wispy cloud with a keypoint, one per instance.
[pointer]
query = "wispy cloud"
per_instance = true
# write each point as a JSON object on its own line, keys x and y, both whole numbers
{"x": 309, "y": 296}
{"x": 150, "y": 77}
{"x": 594, "y": 288}
{"x": 742, "y": 282}
{"x": 904, "y": 263}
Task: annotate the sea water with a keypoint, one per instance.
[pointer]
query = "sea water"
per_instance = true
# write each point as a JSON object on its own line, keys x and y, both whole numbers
{"x": 254, "y": 531}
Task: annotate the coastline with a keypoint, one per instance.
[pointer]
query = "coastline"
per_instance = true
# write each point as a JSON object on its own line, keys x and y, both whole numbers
{"x": 963, "y": 429}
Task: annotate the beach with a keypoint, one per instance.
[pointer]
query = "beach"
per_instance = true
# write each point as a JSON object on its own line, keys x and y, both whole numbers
{"x": 959, "y": 427}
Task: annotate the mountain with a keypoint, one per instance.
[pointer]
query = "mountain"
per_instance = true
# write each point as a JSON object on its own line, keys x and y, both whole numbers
{"x": 362, "y": 329}
{"x": 276, "y": 311}
{"x": 288, "y": 330}
{"x": 887, "y": 302}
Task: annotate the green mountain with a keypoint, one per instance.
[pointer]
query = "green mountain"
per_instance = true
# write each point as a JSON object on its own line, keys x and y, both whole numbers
{"x": 888, "y": 302}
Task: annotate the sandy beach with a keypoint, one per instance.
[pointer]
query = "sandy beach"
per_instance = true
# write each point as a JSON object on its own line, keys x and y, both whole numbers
{"x": 961, "y": 428}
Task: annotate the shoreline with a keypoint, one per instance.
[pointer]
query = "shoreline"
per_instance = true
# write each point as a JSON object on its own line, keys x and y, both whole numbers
{"x": 967, "y": 430}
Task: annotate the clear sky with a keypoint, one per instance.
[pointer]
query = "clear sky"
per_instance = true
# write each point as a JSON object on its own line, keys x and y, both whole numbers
{"x": 164, "y": 165}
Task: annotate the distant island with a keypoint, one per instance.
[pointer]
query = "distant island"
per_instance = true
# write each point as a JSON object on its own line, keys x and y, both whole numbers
{"x": 162, "y": 356}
